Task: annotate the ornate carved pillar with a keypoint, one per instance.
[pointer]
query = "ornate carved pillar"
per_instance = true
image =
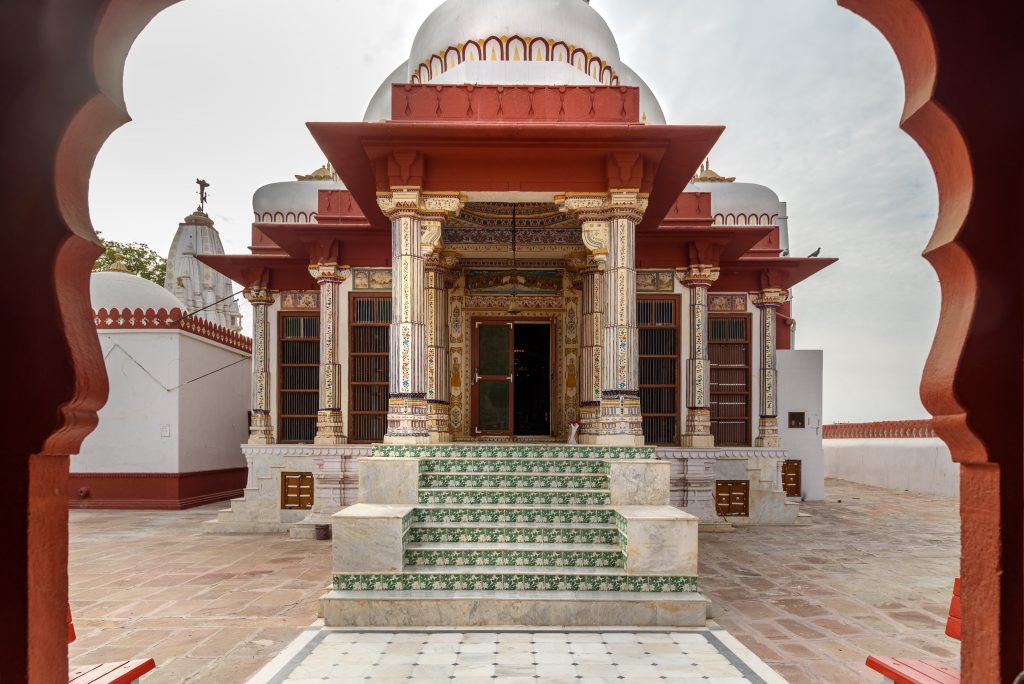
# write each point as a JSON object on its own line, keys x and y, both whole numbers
{"x": 697, "y": 279}
{"x": 438, "y": 395}
{"x": 591, "y": 325}
{"x": 330, "y": 428}
{"x": 767, "y": 301}
{"x": 415, "y": 219}
{"x": 609, "y": 227}
{"x": 261, "y": 430}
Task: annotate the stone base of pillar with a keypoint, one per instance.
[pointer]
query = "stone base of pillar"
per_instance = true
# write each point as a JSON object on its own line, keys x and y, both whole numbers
{"x": 330, "y": 427}
{"x": 768, "y": 433}
{"x": 261, "y": 431}
{"x": 698, "y": 429}
{"x": 619, "y": 422}
{"x": 439, "y": 422}
{"x": 589, "y": 423}
{"x": 407, "y": 421}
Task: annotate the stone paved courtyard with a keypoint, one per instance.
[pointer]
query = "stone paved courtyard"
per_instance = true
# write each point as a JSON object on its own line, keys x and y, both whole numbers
{"x": 872, "y": 574}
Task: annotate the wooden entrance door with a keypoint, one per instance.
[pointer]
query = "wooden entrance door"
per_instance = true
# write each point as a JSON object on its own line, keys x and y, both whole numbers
{"x": 493, "y": 388}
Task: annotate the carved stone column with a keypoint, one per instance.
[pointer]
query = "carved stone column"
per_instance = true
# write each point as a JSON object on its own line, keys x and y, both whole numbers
{"x": 697, "y": 279}
{"x": 261, "y": 429}
{"x": 609, "y": 227}
{"x": 767, "y": 301}
{"x": 415, "y": 219}
{"x": 591, "y": 337}
{"x": 330, "y": 428}
{"x": 436, "y": 271}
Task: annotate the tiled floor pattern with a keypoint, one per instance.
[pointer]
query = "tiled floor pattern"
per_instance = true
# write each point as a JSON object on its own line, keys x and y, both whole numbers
{"x": 515, "y": 657}
{"x": 872, "y": 573}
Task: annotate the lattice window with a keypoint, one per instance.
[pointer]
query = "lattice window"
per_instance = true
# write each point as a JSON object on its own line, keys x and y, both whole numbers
{"x": 370, "y": 315}
{"x": 729, "y": 352}
{"x": 732, "y": 497}
{"x": 658, "y": 322}
{"x": 298, "y": 378}
{"x": 296, "y": 491}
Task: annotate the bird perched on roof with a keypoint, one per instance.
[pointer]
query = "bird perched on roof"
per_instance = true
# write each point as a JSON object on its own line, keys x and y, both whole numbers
{"x": 815, "y": 253}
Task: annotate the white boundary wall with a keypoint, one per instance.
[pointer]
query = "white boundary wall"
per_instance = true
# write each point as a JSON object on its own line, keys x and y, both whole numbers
{"x": 916, "y": 464}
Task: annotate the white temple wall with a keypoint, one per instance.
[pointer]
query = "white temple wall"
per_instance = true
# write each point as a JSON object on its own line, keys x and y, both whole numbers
{"x": 138, "y": 428}
{"x": 800, "y": 389}
{"x": 921, "y": 465}
{"x": 214, "y": 408}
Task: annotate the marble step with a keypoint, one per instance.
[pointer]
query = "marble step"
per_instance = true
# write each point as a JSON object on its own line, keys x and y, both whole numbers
{"x": 512, "y": 578}
{"x": 528, "y": 533}
{"x": 513, "y": 481}
{"x": 507, "y": 515}
{"x": 510, "y": 496}
{"x": 514, "y": 555}
{"x": 513, "y": 451}
{"x": 500, "y": 608}
{"x": 512, "y": 465}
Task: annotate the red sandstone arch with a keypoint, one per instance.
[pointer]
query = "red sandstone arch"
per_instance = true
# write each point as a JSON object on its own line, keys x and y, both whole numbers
{"x": 62, "y": 76}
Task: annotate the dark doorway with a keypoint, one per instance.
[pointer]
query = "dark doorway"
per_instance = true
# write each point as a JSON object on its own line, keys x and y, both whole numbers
{"x": 532, "y": 378}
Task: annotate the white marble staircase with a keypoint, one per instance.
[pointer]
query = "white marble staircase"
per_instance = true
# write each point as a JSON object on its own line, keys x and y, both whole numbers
{"x": 514, "y": 534}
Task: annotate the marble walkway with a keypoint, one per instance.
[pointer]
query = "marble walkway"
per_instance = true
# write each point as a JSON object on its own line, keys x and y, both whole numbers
{"x": 871, "y": 574}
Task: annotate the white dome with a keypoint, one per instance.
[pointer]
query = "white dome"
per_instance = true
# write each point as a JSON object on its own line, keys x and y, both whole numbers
{"x": 576, "y": 48}
{"x": 116, "y": 290}
{"x": 379, "y": 108}
{"x": 290, "y": 201}
{"x": 741, "y": 203}
{"x": 649, "y": 105}
{"x": 455, "y": 22}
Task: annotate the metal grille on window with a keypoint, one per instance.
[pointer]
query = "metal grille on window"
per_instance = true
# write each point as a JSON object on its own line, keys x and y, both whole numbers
{"x": 368, "y": 364}
{"x": 729, "y": 352}
{"x": 299, "y": 378}
{"x": 658, "y": 323}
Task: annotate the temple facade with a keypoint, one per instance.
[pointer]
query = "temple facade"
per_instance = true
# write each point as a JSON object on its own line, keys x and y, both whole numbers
{"x": 514, "y": 247}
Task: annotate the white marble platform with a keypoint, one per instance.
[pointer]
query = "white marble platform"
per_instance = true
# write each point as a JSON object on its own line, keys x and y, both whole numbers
{"x": 509, "y": 655}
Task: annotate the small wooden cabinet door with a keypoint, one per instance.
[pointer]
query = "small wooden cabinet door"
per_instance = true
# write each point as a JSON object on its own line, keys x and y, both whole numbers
{"x": 791, "y": 477}
{"x": 732, "y": 497}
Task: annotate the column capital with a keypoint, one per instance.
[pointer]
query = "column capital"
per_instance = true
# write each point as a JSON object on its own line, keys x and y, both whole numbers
{"x": 259, "y": 296}
{"x": 698, "y": 275}
{"x": 329, "y": 273}
{"x": 441, "y": 261}
{"x": 415, "y": 203}
{"x": 770, "y": 297}
{"x": 604, "y": 206}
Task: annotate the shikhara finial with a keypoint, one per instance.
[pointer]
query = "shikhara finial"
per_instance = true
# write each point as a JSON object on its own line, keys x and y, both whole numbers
{"x": 202, "y": 195}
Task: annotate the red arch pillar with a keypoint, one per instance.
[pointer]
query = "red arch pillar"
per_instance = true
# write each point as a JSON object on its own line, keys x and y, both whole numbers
{"x": 62, "y": 77}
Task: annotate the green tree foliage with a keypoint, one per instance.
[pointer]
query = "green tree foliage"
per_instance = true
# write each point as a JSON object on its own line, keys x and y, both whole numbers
{"x": 137, "y": 258}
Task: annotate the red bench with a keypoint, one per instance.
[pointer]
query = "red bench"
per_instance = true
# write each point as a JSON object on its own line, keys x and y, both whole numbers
{"x": 120, "y": 672}
{"x": 913, "y": 671}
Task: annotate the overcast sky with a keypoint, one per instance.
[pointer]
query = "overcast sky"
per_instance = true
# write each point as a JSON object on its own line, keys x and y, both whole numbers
{"x": 810, "y": 95}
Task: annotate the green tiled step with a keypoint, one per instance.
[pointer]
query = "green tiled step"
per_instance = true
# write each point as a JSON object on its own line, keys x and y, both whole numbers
{"x": 515, "y": 555}
{"x": 541, "y": 497}
{"x": 513, "y": 481}
{"x": 515, "y": 451}
{"x": 510, "y": 514}
{"x": 524, "y": 533}
{"x": 441, "y": 578}
{"x": 513, "y": 465}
